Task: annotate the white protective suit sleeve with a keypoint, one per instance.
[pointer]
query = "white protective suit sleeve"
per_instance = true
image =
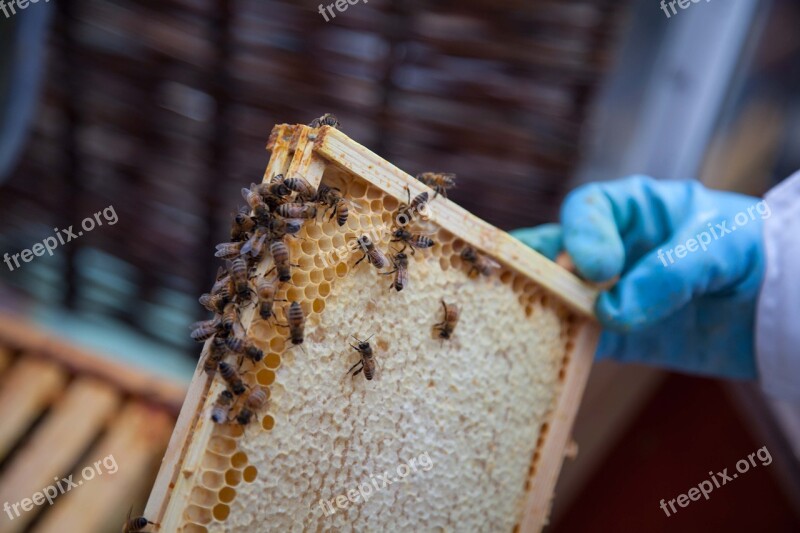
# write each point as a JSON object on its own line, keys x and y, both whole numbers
{"x": 778, "y": 311}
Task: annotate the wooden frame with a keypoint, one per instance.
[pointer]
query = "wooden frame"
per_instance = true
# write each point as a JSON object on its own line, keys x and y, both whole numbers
{"x": 299, "y": 151}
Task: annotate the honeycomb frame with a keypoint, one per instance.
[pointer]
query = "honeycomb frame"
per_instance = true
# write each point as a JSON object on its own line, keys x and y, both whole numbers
{"x": 204, "y": 466}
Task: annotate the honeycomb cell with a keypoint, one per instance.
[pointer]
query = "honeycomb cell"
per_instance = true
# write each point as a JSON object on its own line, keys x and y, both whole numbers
{"x": 353, "y": 222}
{"x": 315, "y": 276}
{"x": 304, "y": 262}
{"x": 195, "y": 528}
{"x": 319, "y": 305}
{"x": 215, "y": 461}
{"x": 357, "y": 189}
{"x": 444, "y": 262}
{"x": 319, "y": 261}
{"x": 272, "y": 360}
{"x": 390, "y": 203}
{"x": 222, "y": 445}
{"x": 330, "y": 229}
{"x": 233, "y": 477}
{"x": 221, "y": 512}
{"x": 268, "y": 422}
{"x": 199, "y": 515}
{"x": 250, "y": 474}
{"x": 265, "y": 377}
{"x": 376, "y": 206}
{"x": 277, "y": 344}
{"x": 212, "y": 480}
{"x": 260, "y": 329}
{"x": 203, "y": 497}
{"x": 341, "y": 270}
{"x": 458, "y": 245}
{"x": 455, "y": 262}
{"x": 294, "y": 294}
{"x": 329, "y": 273}
{"x": 506, "y": 277}
{"x": 324, "y": 289}
{"x": 313, "y": 231}
{"x": 227, "y": 495}
{"x": 325, "y": 244}
{"x": 310, "y": 292}
{"x": 338, "y": 241}
{"x": 239, "y": 460}
{"x": 309, "y": 247}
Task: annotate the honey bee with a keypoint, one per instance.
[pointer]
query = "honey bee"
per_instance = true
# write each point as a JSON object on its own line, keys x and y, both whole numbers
{"x": 255, "y": 401}
{"x": 414, "y": 240}
{"x": 446, "y": 326}
{"x": 305, "y": 191}
{"x": 400, "y": 271}
{"x": 222, "y": 407}
{"x": 214, "y": 356}
{"x": 230, "y": 319}
{"x": 239, "y": 273}
{"x": 246, "y": 347}
{"x": 254, "y": 247}
{"x": 413, "y": 206}
{"x": 255, "y": 201}
{"x": 373, "y": 255}
{"x": 332, "y": 198}
{"x": 266, "y": 289}
{"x": 273, "y": 193}
{"x": 205, "y": 329}
{"x": 367, "y": 360}
{"x": 242, "y": 224}
{"x": 280, "y": 256}
{"x": 325, "y": 120}
{"x": 136, "y": 524}
{"x": 296, "y": 210}
{"x": 297, "y": 322}
{"x": 480, "y": 262}
{"x": 213, "y": 302}
{"x": 232, "y": 378}
{"x": 229, "y": 250}
{"x": 438, "y": 181}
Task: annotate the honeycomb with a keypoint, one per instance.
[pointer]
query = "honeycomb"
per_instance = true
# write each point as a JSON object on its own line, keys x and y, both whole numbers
{"x": 476, "y": 405}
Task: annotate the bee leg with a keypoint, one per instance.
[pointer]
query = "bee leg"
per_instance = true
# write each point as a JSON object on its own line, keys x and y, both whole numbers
{"x": 362, "y": 258}
{"x": 387, "y": 273}
{"x": 355, "y": 365}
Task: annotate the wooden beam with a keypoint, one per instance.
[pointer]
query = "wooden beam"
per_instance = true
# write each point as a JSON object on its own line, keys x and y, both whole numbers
{"x": 338, "y": 148}
{"x": 66, "y": 434}
{"x": 30, "y": 386}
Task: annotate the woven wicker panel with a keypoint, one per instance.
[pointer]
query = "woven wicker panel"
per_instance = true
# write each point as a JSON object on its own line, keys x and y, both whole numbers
{"x": 162, "y": 110}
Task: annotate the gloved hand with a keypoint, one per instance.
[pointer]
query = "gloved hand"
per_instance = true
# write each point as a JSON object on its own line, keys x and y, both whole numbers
{"x": 691, "y": 262}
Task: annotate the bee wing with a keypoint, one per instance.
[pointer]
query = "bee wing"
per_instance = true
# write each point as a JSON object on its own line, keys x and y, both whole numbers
{"x": 359, "y": 207}
{"x": 245, "y": 193}
{"x": 491, "y": 263}
{"x": 248, "y": 246}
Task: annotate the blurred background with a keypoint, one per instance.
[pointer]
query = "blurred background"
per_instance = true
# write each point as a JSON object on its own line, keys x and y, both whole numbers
{"x": 162, "y": 110}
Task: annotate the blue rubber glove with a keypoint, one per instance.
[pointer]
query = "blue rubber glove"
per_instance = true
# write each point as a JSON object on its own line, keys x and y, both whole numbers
{"x": 691, "y": 261}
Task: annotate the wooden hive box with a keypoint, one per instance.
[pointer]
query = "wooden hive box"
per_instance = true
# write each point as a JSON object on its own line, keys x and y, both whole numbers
{"x": 471, "y": 431}
{"x": 63, "y": 409}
